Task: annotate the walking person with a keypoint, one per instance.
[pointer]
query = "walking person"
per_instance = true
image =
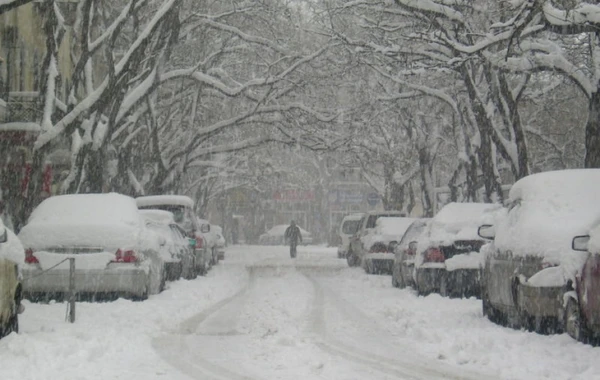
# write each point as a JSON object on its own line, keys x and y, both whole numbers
{"x": 292, "y": 235}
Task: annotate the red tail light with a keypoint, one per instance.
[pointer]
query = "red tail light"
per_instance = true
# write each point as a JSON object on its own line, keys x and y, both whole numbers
{"x": 434, "y": 255}
{"x": 128, "y": 256}
{"x": 30, "y": 257}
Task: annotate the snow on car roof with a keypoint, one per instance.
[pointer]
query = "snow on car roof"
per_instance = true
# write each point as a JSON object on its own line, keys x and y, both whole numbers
{"x": 158, "y": 216}
{"x": 387, "y": 229}
{"x": 155, "y": 200}
{"x": 459, "y": 221}
{"x": 550, "y": 209}
{"x": 86, "y": 209}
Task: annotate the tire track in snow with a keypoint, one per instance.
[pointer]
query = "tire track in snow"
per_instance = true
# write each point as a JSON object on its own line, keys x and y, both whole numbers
{"x": 411, "y": 368}
{"x": 175, "y": 351}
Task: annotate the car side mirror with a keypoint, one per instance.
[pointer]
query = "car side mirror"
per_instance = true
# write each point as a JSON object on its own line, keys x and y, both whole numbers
{"x": 487, "y": 231}
{"x": 205, "y": 228}
{"x": 412, "y": 245}
{"x": 580, "y": 243}
{"x": 3, "y": 235}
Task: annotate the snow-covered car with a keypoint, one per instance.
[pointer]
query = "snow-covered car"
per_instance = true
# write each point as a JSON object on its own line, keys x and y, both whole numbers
{"x": 347, "y": 228}
{"x": 357, "y": 250}
{"x": 209, "y": 240}
{"x": 448, "y": 259}
{"x": 581, "y": 319}
{"x": 221, "y": 242}
{"x": 182, "y": 208}
{"x": 114, "y": 252}
{"x": 274, "y": 236}
{"x": 530, "y": 268}
{"x": 12, "y": 255}
{"x": 175, "y": 247}
{"x": 405, "y": 253}
{"x": 381, "y": 242}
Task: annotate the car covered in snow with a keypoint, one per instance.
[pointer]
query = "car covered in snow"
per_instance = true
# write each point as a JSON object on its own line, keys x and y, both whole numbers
{"x": 448, "y": 259}
{"x": 221, "y": 243}
{"x": 347, "y": 228}
{"x": 405, "y": 253}
{"x": 581, "y": 318}
{"x": 113, "y": 251}
{"x": 12, "y": 256}
{"x": 531, "y": 268}
{"x": 175, "y": 248}
{"x": 209, "y": 238}
{"x": 274, "y": 236}
{"x": 357, "y": 249}
{"x": 182, "y": 208}
{"x": 382, "y": 241}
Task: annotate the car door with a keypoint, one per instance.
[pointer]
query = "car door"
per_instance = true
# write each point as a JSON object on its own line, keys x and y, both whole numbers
{"x": 589, "y": 294}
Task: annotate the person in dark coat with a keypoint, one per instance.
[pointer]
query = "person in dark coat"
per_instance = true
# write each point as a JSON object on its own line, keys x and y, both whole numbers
{"x": 293, "y": 236}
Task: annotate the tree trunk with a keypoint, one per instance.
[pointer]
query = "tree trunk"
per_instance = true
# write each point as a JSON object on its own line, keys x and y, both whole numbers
{"x": 592, "y": 132}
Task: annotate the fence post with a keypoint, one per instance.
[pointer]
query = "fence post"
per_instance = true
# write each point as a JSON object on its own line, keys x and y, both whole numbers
{"x": 72, "y": 290}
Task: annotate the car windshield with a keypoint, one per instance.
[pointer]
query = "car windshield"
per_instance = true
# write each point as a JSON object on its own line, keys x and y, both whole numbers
{"x": 350, "y": 226}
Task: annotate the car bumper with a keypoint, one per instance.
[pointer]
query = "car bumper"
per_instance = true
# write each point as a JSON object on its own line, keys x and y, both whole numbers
{"x": 540, "y": 301}
{"x": 427, "y": 280}
{"x": 131, "y": 281}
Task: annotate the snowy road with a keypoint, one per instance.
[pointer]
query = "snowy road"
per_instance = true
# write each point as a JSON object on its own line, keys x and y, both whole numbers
{"x": 260, "y": 315}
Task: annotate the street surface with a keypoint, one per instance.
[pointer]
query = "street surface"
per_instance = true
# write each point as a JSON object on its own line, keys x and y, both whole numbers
{"x": 261, "y": 315}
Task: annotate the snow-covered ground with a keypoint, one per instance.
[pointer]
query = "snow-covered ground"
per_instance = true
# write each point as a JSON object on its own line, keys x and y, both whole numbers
{"x": 260, "y": 315}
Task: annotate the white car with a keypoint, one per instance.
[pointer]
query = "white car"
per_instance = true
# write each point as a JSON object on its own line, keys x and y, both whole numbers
{"x": 175, "y": 250}
{"x": 210, "y": 240}
{"x": 381, "y": 241}
{"x": 348, "y": 227}
{"x": 12, "y": 255}
{"x": 274, "y": 236}
{"x": 221, "y": 243}
{"x": 114, "y": 252}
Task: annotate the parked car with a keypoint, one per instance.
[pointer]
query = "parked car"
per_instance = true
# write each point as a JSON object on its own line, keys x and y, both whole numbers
{"x": 12, "y": 255}
{"x": 274, "y": 236}
{"x": 210, "y": 240}
{"x": 531, "y": 266}
{"x": 221, "y": 243}
{"x": 382, "y": 241}
{"x": 347, "y": 228}
{"x": 448, "y": 259}
{"x": 357, "y": 250}
{"x": 182, "y": 208}
{"x": 114, "y": 252}
{"x": 405, "y": 253}
{"x": 581, "y": 319}
{"x": 176, "y": 251}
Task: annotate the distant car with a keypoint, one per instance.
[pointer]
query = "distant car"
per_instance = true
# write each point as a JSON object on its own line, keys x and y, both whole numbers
{"x": 274, "y": 236}
{"x": 347, "y": 228}
{"x": 12, "y": 256}
{"x": 531, "y": 270}
{"x": 357, "y": 250}
{"x": 581, "y": 319}
{"x": 182, "y": 208}
{"x": 221, "y": 243}
{"x": 381, "y": 241}
{"x": 405, "y": 253}
{"x": 176, "y": 250}
{"x": 210, "y": 240}
{"x": 448, "y": 259}
{"x": 114, "y": 252}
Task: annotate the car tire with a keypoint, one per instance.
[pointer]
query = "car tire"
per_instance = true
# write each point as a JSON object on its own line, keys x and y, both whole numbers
{"x": 573, "y": 323}
{"x": 352, "y": 259}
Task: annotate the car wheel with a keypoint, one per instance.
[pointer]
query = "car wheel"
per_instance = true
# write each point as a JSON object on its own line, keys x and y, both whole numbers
{"x": 573, "y": 323}
{"x": 352, "y": 259}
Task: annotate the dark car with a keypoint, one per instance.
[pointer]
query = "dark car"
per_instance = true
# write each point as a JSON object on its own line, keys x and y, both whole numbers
{"x": 404, "y": 254}
{"x": 531, "y": 265}
{"x": 582, "y": 310}
{"x": 449, "y": 261}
